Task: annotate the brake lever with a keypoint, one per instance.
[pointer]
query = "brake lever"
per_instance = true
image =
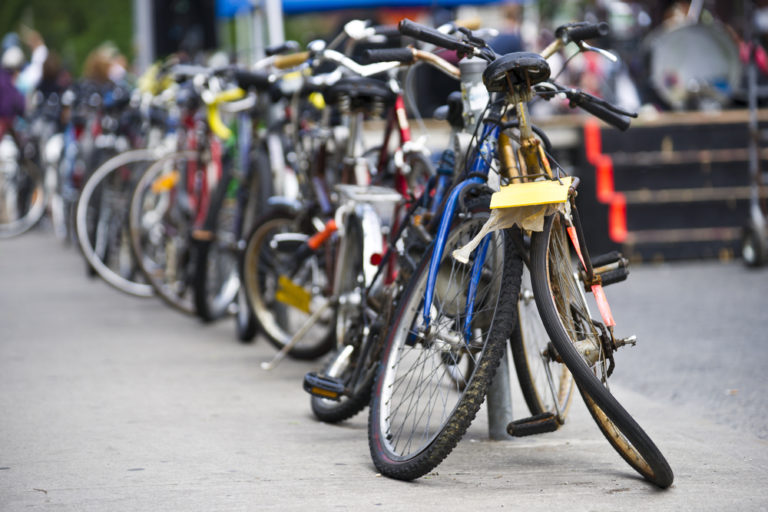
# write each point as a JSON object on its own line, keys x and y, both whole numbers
{"x": 605, "y": 53}
{"x": 598, "y": 101}
{"x": 471, "y": 38}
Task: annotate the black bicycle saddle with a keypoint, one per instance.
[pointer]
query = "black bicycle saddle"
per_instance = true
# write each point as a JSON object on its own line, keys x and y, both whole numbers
{"x": 362, "y": 91}
{"x": 518, "y": 65}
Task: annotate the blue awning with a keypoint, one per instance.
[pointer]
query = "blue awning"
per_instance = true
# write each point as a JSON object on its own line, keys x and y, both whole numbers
{"x": 301, "y": 6}
{"x": 230, "y": 8}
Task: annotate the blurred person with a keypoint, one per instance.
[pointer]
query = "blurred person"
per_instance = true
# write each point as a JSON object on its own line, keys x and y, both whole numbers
{"x": 11, "y": 107}
{"x": 105, "y": 65}
{"x": 11, "y": 99}
{"x": 509, "y": 39}
{"x": 32, "y": 73}
{"x": 118, "y": 68}
{"x": 97, "y": 65}
{"x": 55, "y": 79}
{"x": 10, "y": 39}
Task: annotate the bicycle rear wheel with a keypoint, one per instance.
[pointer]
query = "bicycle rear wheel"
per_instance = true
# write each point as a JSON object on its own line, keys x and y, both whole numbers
{"x": 578, "y": 340}
{"x": 546, "y": 384}
{"x": 419, "y": 408}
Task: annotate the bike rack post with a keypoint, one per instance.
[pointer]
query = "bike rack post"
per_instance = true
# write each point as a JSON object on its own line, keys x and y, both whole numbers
{"x": 500, "y": 402}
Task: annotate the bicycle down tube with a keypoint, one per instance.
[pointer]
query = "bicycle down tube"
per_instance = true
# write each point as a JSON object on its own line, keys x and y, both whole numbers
{"x": 478, "y": 173}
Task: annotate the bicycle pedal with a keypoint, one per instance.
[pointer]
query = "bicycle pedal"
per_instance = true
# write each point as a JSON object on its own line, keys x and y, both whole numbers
{"x": 323, "y": 387}
{"x": 629, "y": 340}
{"x": 538, "y": 424}
{"x": 612, "y": 267}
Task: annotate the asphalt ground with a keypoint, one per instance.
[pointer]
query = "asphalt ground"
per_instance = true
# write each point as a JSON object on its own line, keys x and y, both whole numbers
{"x": 109, "y": 402}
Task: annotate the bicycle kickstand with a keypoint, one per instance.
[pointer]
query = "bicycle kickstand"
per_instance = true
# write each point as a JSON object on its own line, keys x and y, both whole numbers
{"x": 269, "y": 365}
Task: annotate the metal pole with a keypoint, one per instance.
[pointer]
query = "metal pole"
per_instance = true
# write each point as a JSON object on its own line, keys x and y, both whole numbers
{"x": 143, "y": 34}
{"x": 274, "y": 12}
{"x": 756, "y": 212}
{"x": 258, "y": 42}
{"x": 500, "y": 402}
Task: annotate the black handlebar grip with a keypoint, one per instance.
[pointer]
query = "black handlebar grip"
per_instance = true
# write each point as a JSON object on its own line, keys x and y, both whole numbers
{"x": 612, "y": 118}
{"x": 284, "y": 47}
{"x": 386, "y": 30}
{"x": 430, "y": 35}
{"x": 404, "y": 55}
{"x": 184, "y": 72}
{"x": 588, "y": 31}
{"x": 257, "y": 80}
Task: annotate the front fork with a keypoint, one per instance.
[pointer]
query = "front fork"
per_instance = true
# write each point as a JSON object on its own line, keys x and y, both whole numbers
{"x": 479, "y": 171}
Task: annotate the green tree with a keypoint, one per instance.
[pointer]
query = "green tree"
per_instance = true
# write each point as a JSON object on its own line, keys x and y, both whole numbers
{"x": 72, "y": 27}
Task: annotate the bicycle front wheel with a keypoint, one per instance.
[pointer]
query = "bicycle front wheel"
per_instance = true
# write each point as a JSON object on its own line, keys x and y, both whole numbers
{"x": 161, "y": 219}
{"x": 284, "y": 293}
{"x": 101, "y": 221}
{"x": 420, "y": 408}
{"x": 561, "y": 301}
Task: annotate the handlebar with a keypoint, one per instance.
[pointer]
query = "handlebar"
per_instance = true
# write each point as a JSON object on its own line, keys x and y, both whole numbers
{"x": 280, "y": 48}
{"x": 601, "y": 109}
{"x": 386, "y": 30}
{"x": 430, "y": 35}
{"x": 290, "y": 61}
{"x": 576, "y": 32}
{"x": 214, "y": 118}
{"x": 255, "y": 79}
{"x": 610, "y": 117}
{"x": 409, "y": 56}
{"x": 402, "y": 55}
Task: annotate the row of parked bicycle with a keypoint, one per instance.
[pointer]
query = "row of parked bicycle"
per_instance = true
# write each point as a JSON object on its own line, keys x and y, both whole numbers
{"x": 255, "y": 193}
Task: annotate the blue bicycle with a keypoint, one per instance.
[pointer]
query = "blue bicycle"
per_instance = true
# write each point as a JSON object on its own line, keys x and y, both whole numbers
{"x": 449, "y": 332}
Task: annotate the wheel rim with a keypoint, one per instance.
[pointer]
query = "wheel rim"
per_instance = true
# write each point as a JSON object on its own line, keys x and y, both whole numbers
{"x": 419, "y": 391}
{"x": 617, "y": 439}
{"x": 570, "y": 301}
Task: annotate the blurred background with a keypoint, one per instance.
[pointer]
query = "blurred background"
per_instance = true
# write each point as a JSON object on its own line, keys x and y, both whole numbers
{"x": 686, "y": 183}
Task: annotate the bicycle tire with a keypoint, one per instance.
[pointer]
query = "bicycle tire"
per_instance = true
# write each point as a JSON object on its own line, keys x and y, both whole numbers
{"x": 560, "y": 300}
{"x": 260, "y": 270}
{"x": 216, "y": 281}
{"x": 391, "y": 451}
{"x": 22, "y": 204}
{"x": 141, "y": 158}
{"x": 336, "y": 411}
{"x": 217, "y": 270}
{"x": 546, "y": 384}
{"x": 216, "y": 273}
{"x": 350, "y": 334}
{"x": 246, "y": 327}
{"x": 165, "y": 261}
{"x": 98, "y": 157}
{"x": 258, "y": 194}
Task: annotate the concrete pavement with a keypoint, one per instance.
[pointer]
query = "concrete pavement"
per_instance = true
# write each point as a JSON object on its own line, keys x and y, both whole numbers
{"x": 109, "y": 402}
